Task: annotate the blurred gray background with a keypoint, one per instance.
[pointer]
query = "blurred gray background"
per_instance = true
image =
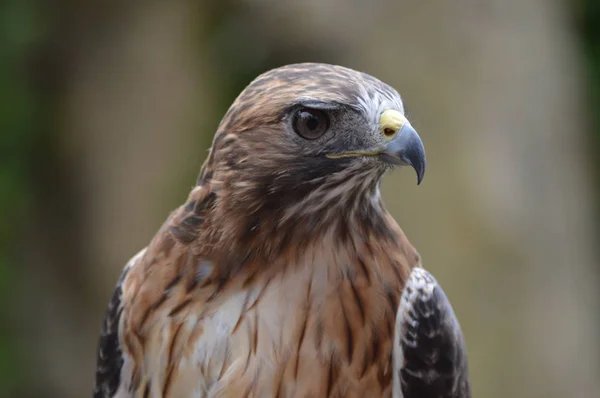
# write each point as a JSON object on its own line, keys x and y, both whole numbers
{"x": 107, "y": 109}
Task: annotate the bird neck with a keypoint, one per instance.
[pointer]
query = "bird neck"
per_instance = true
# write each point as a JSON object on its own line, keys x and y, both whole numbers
{"x": 223, "y": 223}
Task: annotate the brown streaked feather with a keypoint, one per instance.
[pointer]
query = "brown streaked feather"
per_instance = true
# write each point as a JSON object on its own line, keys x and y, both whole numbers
{"x": 273, "y": 297}
{"x": 281, "y": 274}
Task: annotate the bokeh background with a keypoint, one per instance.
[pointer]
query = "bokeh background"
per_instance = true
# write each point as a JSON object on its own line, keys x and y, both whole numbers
{"x": 107, "y": 108}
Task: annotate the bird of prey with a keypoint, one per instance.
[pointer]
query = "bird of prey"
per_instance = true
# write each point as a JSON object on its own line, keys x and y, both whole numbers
{"x": 283, "y": 275}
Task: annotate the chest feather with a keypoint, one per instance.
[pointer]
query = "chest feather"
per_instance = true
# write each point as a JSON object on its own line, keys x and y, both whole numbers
{"x": 323, "y": 327}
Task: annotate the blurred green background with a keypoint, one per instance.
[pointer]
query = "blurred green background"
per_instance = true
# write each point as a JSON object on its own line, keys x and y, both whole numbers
{"x": 107, "y": 109}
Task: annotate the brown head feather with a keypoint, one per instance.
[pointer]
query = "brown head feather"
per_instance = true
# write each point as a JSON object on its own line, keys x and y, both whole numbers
{"x": 269, "y": 187}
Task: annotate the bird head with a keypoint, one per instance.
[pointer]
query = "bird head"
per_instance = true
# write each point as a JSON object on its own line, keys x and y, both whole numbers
{"x": 304, "y": 139}
{"x": 317, "y": 117}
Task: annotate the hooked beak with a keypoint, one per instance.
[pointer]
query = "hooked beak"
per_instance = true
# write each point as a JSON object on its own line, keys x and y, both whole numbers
{"x": 406, "y": 148}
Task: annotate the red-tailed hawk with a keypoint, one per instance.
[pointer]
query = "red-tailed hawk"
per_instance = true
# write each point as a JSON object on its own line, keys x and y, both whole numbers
{"x": 283, "y": 275}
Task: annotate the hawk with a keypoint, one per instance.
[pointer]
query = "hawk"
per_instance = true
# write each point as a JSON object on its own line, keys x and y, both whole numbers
{"x": 283, "y": 275}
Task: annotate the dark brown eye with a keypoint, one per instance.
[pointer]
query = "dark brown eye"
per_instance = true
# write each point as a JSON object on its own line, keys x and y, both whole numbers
{"x": 310, "y": 123}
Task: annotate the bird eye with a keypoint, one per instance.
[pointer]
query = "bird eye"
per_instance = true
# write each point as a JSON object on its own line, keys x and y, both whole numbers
{"x": 310, "y": 123}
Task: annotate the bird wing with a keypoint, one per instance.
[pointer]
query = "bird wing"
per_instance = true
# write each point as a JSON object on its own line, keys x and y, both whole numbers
{"x": 156, "y": 315}
{"x": 430, "y": 358}
{"x": 109, "y": 363}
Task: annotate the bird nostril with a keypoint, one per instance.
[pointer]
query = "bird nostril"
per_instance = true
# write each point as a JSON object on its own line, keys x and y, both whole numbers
{"x": 389, "y": 132}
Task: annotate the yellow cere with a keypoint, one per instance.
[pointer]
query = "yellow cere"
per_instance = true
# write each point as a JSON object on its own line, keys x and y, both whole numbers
{"x": 391, "y": 119}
